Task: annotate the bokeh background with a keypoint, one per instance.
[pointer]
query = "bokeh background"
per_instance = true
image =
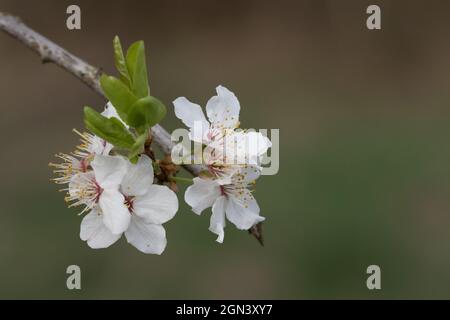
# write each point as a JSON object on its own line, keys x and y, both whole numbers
{"x": 364, "y": 119}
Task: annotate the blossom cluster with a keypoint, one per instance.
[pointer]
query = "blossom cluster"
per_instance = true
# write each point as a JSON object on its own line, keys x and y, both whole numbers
{"x": 118, "y": 196}
{"x": 124, "y": 189}
{"x": 232, "y": 157}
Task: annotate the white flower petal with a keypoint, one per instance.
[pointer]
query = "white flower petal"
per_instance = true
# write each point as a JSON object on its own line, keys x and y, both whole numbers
{"x": 256, "y": 146}
{"x": 223, "y": 109}
{"x": 116, "y": 215}
{"x": 146, "y": 237}
{"x": 243, "y": 147}
{"x": 111, "y": 112}
{"x": 157, "y": 206}
{"x": 94, "y": 231}
{"x": 234, "y": 146}
{"x": 80, "y": 182}
{"x": 139, "y": 177}
{"x": 247, "y": 174}
{"x": 193, "y": 117}
{"x": 217, "y": 222}
{"x": 182, "y": 154}
{"x": 226, "y": 175}
{"x": 99, "y": 146}
{"x": 109, "y": 170}
{"x": 202, "y": 194}
{"x": 243, "y": 215}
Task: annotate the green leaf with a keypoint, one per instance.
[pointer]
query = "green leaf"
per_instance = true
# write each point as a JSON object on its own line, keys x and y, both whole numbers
{"x": 138, "y": 146}
{"x": 137, "y": 69}
{"x": 119, "y": 95}
{"x": 146, "y": 112}
{"x": 110, "y": 129}
{"x": 121, "y": 64}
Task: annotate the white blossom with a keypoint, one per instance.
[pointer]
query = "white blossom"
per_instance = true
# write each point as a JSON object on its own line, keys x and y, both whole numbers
{"x": 100, "y": 188}
{"x": 227, "y": 147}
{"x": 233, "y": 201}
{"x": 118, "y": 196}
{"x": 232, "y": 157}
{"x": 79, "y": 160}
{"x": 147, "y": 207}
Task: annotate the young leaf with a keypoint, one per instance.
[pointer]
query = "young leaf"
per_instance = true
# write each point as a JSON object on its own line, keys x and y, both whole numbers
{"x": 110, "y": 129}
{"x": 137, "y": 69}
{"x": 119, "y": 95}
{"x": 146, "y": 112}
{"x": 138, "y": 146}
{"x": 120, "y": 62}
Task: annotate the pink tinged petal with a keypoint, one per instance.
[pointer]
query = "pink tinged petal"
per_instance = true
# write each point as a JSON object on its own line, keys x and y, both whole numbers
{"x": 116, "y": 215}
{"x": 157, "y": 206}
{"x": 146, "y": 237}
{"x": 242, "y": 214}
{"x": 193, "y": 117}
{"x": 139, "y": 177}
{"x": 202, "y": 194}
{"x": 109, "y": 170}
{"x": 94, "y": 231}
{"x": 217, "y": 222}
{"x": 223, "y": 109}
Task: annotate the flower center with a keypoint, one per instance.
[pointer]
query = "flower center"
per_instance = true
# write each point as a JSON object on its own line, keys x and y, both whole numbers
{"x": 222, "y": 191}
{"x": 84, "y": 164}
{"x": 98, "y": 191}
{"x": 129, "y": 203}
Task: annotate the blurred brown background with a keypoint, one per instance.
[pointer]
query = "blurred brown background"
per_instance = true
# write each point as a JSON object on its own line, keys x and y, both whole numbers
{"x": 364, "y": 119}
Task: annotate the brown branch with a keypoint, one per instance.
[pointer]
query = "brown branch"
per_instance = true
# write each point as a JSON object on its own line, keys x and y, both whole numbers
{"x": 50, "y": 52}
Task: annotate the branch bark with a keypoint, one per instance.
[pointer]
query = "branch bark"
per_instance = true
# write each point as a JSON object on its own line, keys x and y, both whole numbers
{"x": 50, "y": 52}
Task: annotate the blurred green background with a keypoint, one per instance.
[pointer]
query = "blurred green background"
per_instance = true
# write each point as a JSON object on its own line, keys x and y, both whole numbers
{"x": 364, "y": 119}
